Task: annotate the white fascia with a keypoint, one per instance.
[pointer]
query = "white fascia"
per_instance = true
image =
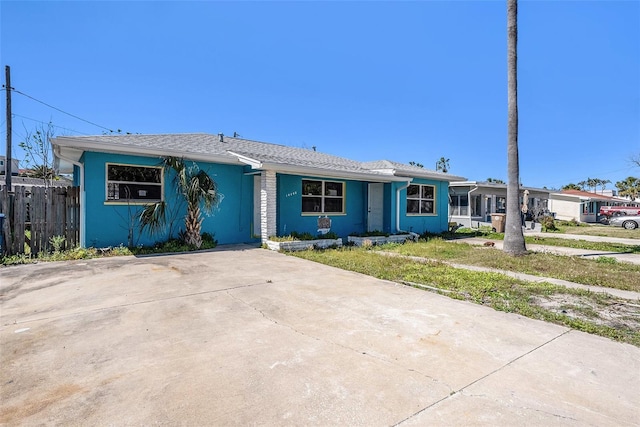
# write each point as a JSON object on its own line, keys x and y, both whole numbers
{"x": 255, "y": 164}
{"x": 330, "y": 173}
{"x": 85, "y": 145}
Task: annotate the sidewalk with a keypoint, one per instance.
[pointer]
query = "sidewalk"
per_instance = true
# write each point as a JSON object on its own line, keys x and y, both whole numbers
{"x": 623, "y": 241}
{"x": 560, "y": 250}
{"x": 527, "y": 277}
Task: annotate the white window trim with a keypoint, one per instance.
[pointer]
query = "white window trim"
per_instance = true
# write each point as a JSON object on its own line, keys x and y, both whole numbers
{"x": 420, "y": 199}
{"x": 131, "y": 201}
{"x": 323, "y": 197}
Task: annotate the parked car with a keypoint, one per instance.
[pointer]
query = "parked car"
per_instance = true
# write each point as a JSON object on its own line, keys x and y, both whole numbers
{"x": 619, "y": 210}
{"x": 628, "y": 222}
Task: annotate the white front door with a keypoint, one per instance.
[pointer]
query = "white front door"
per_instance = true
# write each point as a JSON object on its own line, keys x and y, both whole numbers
{"x": 375, "y": 208}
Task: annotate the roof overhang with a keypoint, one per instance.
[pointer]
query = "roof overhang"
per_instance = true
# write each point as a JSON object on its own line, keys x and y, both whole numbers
{"x": 80, "y": 146}
{"x": 482, "y": 184}
{"x": 327, "y": 173}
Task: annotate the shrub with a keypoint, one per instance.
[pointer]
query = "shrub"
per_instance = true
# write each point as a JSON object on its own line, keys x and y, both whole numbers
{"x": 548, "y": 223}
{"x": 374, "y": 233}
{"x": 302, "y": 236}
{"x": 329, "y": 235}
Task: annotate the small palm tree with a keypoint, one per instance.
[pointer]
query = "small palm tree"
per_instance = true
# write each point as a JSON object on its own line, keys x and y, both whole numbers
{"x": 198, "y": 190}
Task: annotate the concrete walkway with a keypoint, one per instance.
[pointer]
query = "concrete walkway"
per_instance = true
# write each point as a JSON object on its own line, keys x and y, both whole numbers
{"x": 528, "y": 277}
{"x": 623, "y": 241}
{"x": 560, "y": 250}
{"x": 253, "y": 337}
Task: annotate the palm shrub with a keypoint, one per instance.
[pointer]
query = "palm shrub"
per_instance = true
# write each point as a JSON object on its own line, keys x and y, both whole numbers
{"x": 196, "y": 188}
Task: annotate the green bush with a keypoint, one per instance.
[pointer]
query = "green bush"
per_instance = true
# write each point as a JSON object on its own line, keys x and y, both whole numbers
{"x": 548, "y": 223}
{"x": 329, "y": 235}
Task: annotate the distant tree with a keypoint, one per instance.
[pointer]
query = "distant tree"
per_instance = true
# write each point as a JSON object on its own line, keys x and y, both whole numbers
{"x": 419, "y": 165}
{"x": 38, "y": 156}
{"x": 495, "y": 181}
{"x": 442, "y": 165}
{"x": 572, "y": 186}
{"x": 513, "y": 236}
{"x": 603, "y": 183}
{"x": 630, "y": 187}
{"x": 594, "y": 183}
{"x": 636, "y": 159}
{"x": 582, "y": 185}
{"x": 40, "y": 171}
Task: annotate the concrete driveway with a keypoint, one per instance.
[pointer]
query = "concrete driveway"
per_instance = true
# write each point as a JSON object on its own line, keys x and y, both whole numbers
{"x": 245, "y": 336}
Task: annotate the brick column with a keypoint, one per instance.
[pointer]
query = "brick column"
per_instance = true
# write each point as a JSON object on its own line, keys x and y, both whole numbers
{"x": 268, "y": 193}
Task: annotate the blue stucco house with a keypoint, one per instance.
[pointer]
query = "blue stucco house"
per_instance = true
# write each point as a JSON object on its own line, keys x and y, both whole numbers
{"x": 267, "y": 189}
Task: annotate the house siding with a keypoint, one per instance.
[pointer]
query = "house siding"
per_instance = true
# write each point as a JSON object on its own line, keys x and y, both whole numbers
{"x": 436, "y": 223}
{"x": 290, "y": 217}
{"x": 107, "y": 223}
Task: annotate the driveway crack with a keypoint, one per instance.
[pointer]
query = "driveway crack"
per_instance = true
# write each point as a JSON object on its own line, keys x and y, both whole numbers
{"x": 483, "y": 377}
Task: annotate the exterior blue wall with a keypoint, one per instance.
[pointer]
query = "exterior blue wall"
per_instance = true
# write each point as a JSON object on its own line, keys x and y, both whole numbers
{"x": 421, "y": 223}
{"x": 107, "y": 222}
{"x": 289, "y": 204}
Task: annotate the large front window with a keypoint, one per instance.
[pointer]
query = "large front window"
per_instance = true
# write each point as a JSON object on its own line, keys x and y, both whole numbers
{"x": 421, "y": 199}
{"x": 322, "y": 196}
{"x": 128, "y": 183}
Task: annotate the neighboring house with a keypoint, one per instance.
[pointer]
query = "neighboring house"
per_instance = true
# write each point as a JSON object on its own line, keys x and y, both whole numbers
{"x": 266, "y": 189}
{"x": 15, "y": 166}
{"x": 471, "y": 203}
{"x": 582, "y": 206}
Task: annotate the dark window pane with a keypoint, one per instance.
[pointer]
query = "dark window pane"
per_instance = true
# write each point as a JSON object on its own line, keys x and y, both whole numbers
{"x": 311, "y": 204}
{"x": 333, "y": 205}
{"x": 413, "y": 191}
{"x": 333, "y": 189}
{"x": 426, "y": 207}
{"x": 413, "y": 206}
{"x": 311, "y": 188}
{"x": 427, "y": 192}
{"x": 134, "y": 174}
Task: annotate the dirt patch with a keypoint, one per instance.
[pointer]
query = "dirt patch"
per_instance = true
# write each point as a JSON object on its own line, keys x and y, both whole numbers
{"x": 616, "y": 313}
{"x": 37, "y": 403}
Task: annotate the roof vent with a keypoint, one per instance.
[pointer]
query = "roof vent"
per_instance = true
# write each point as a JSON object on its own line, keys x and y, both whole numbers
{"x": 221, "y": 137}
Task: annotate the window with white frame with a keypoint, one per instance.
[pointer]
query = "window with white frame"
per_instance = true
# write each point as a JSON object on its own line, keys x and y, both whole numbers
{"x": 421, "y": 199}
{"x": 129, "y": 183}
{"x": 322, "y": 196}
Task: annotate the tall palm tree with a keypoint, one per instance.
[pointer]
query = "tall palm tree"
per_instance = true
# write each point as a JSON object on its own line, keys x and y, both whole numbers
{"x": 198, "y": 190}
{"x": 513, "y": 237}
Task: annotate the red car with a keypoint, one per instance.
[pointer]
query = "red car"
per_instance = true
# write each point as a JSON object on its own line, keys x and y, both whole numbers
{"x": 619, "y": 210}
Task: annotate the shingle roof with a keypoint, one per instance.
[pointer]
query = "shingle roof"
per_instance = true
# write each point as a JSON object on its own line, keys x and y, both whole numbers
{"x": 204, "y": 145}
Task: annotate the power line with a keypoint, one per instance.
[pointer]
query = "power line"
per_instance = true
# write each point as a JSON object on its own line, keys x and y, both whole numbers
{"x": 62, "y": 111}
{"x": 46, "y": 123}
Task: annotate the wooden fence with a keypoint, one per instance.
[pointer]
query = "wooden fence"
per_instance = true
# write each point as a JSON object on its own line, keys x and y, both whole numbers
{"x": 34, "y": 215}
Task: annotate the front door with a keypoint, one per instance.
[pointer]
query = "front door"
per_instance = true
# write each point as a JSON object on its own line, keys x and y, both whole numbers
{"x": 375, "y": 208}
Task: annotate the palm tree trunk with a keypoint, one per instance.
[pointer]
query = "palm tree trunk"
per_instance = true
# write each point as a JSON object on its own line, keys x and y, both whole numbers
{"x": 513, "y": 237}
{"x": 193, "y": 226}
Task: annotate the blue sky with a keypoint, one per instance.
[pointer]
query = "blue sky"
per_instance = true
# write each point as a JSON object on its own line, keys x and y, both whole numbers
{"x": 404, "y": 81}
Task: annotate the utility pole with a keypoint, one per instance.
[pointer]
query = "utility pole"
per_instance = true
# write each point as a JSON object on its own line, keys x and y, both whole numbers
{"x": 7, "y": 167}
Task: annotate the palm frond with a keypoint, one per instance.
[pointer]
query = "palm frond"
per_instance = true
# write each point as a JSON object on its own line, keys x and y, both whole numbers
{"x": 153, "y": 217}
